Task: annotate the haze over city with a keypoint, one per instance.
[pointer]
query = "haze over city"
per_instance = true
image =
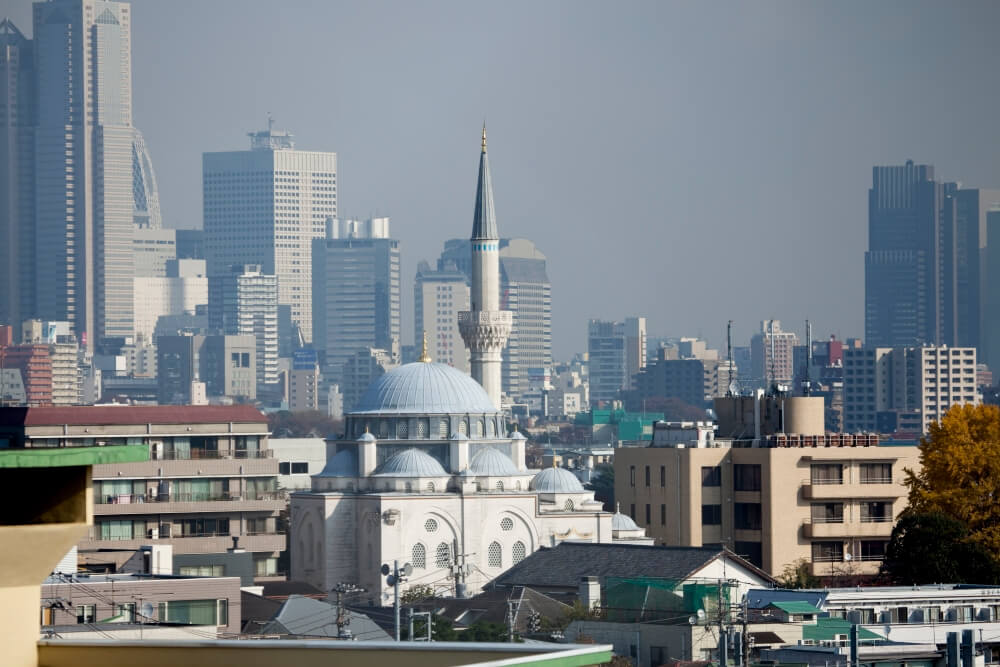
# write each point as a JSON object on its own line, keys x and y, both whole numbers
{"x": 691, "y": 163}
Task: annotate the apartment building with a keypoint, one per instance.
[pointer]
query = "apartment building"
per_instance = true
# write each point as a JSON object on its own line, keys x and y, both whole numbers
{"x": 888, "y": 385}
{"x": 830, "y": 499}
{"x": 209, "y": 488}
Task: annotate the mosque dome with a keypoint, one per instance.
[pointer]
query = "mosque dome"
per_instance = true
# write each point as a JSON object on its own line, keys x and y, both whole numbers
{"x": 556, "y": 480}
{"x": 343, "y": 464}
{"x": 424, "y": 388}
{"x": 489, "y": 462}
{"x": 622, "y": 522}
{"x": 410, "y": 463}
{"x": 366, "y": 437}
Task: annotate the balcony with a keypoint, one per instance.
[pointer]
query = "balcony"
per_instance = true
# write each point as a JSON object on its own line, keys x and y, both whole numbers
{"x": 219, "y": 466}
{"x": 191, "y": 544}
{"x": 835, "y": 490}
{"x": 189, "y": 503}
{"x": 829, "y": 568}
{"x": 881, "y": 527}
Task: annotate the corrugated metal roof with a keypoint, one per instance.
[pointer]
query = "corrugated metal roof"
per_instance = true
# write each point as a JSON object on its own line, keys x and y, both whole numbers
{"x": 100, "y": 415}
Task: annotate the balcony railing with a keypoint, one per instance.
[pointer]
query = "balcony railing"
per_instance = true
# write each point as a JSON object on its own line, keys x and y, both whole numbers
{"x": 820, "y": 481}
{"x": 828, "y": 519}
{"x": 136, "y": 499}
{"x": 199, "y": 454}
{"x": 884, "y": 518}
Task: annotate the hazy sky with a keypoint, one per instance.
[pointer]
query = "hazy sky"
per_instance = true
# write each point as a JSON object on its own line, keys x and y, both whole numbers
{"x": 690, "y": 162}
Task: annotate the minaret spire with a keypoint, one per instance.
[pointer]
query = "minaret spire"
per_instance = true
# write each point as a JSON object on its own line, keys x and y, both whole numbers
{"x": 485, "y": 327}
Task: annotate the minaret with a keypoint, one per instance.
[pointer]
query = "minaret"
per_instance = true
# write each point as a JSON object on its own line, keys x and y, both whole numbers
{"x": 485, "y": 327}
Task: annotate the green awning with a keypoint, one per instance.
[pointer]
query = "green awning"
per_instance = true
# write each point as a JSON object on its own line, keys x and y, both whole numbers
{"x": 59, "y": 457}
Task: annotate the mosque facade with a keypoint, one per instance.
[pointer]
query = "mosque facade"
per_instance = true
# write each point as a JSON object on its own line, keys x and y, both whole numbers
{"x": 427, "y": 473}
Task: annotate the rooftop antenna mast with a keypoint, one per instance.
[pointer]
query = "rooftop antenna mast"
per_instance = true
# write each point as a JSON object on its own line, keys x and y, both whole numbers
{"x": 772, "y": 384}
{"x": 733, "y": 388}
{"x": 807, "y": 384}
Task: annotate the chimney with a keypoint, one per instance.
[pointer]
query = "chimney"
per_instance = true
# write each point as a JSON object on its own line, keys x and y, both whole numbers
{"x": 590, "y": 592}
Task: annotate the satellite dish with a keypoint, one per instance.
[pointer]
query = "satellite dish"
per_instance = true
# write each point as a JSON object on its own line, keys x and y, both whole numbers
{"x": 407, "y": 570}
{"x": 146, "y": 610}
{"x": 701, "y": 614}
{"x": 391, "y": 580}
{"x": 847, "y": 557}
{"x": 692, "y": 620}
{"x": 386, "y": 569}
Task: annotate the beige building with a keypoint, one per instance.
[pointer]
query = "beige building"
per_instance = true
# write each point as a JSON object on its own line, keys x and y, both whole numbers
{"x": 438, "y": 297}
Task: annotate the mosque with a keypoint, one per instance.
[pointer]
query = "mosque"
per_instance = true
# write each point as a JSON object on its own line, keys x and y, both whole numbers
{"x": 427, "y": 474}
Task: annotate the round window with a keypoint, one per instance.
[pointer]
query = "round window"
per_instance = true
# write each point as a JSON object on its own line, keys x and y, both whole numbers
{"x": 506, "y": 523}
{"x": 430, "y": 525}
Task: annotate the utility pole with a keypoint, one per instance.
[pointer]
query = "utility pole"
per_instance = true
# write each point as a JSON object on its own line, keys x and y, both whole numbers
{"x": 394, "y": 576}
{"x": 745, "y": 643}
{"x": 459, "y": 570}
{"x": 510, "y": 621}
{"x": 723, "y": 662}
{"x": 343, "y": 619}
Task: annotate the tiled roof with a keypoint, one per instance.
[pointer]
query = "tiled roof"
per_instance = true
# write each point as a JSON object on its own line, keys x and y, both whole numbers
{"x": 795, "y": 607}
{"x": 130, "y": 414}
{"x": 563, "y": 565}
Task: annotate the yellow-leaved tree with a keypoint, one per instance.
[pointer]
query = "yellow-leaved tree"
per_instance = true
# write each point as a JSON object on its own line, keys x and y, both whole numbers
{"x": 960, "y": 472}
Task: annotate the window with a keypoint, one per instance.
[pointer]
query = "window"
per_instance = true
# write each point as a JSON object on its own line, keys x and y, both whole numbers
{"x": 827, "y": 513}
{"x": 284, "y": 468}
{"x": 663, "y": 515}
{"x": 301, "y": 468}
{"x": 711, "y": 476}
{"x": 711, "y": 515}
{"x": 631, "y": 475}
{"x": 127, "y": 612}
{"x": 418, "y": 557}
{"x": 873, "y": 550}
{"x": 506, "y": 523}
{"x": 499, "y": 485}
{"x": 827, "y": 552}
{"x": 430, "y": 525}
{"x": 746, "y": 516}
{"x": 647, "y": 514}
{"x": 201, "y": 570}
{"x": 826, "y": 473}
{"x": 631, "y": 511}
{"x": 86, "y": 613}
{"x": 494, "y": 555}
{"x": 663, "y": 476}
{"x": 266, "y": 566}
{"x": 963, "y": 613}
{"x": 430, "y": 486}
{"x": 746, "y": 477}
{"x": 195, "y": 612}
{"x": 876, "y": 473}
{"x": 442, "y": 556}
{"x": 647, "y": 475}
{"x": 899, "y": 615}
{"x": 518, "y": 553}
{"x": 876, "y": 512}
{"x": 568, "y": 505}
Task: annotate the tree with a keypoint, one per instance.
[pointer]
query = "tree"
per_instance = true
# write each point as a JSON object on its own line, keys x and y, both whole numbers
{"x": 931, "y": 547}
{"x": 309, "y": 424}
{"x": 960, "y": 472}
{"x": 603, "y": 486}
{"x": 798, "y": 574}
{"x": 416, "y": 594}
{"x": 673, "y": 409}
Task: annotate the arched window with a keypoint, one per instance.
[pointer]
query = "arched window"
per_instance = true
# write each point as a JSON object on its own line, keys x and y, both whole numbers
{"x": 422, "y": 428}
{"x": 517, "y": 485}
{"x": 490, "y": 428}
{"x": 430, "y": 486}
{"x": 443, "y": 555}
{"x": 517, "y": 553}
{"x": 568, "y": 506}
{"x": 499, "y": 485}
{"x": 494, "y": 555}
{"x": 409, "y": 487}
{"x": 443, "y": 428}
{"x": 402, "y": 429}
{"x": 419, "y": 556}
{"x": 506, "y": 523}
{"x": 479, "y": 428}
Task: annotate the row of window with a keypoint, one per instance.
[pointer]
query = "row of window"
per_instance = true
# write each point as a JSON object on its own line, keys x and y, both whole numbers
{"x": 186, "y": 612}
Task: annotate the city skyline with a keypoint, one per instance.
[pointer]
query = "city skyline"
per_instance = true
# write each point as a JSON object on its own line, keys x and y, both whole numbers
{"x": 729, "y": 144}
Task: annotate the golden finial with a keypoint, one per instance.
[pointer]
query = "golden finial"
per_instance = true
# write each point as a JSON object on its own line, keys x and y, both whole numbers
{"x": 424, "y": 357}
{"x": 484, "y": 136}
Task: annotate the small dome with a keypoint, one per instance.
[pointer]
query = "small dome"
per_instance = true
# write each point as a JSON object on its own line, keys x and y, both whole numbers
{"x": 621, "y": 521}
{"x": 458, "y": 436}
{"x": 410, "y": 463}
{"x": 556, "y": 480}
{"x": 517, "y": 435}
{"x": 366, "y": 437}
{"x": 424, "y": 388}
{"x": 343, "y": 464}
{"x": 489, "y": 462}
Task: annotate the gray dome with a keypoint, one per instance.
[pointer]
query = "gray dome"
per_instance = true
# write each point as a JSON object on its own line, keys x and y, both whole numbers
{"x": 343, "y": 464}
{"x": 424, "y": 388}
{"x": 410, "y": 463}
{"x": 621, "y": 521}
{"x": 366, "y": 437}
{"x": 556, "y": 480}
{"x": 517, "y": 435}
{"x": 489, "y": 462}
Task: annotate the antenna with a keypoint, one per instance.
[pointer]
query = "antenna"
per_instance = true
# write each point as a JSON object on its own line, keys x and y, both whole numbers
{"x": 807, "y": 384}
{"x": 733, "y": 388}
{"x": 770, "y": 365}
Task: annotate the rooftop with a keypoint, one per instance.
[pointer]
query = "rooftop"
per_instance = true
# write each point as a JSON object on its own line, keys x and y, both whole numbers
{"x": 424, "y": 388}
{"x": 130, "y": 414}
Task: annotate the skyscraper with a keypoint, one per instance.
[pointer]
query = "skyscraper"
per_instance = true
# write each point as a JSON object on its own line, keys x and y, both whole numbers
{"x": 772, "y": 355}
{"x": 613, "y": 350}
{"x": 484, "y": 326}
{"x": 909, "y": 256}
{"x": 93, "y": 177}
{"x": 245, "y": 302}
{"x": 972, "y": 210}
{"x": 356, "y": 299}
{"x": 265, "y": 206}
{"x": 438, "y": 297}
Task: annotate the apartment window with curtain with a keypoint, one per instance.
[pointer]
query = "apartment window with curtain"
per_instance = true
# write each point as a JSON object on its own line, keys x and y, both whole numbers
{"x": 194, "y": 612}
{"x": 86, "y": 613}
{"x": 827, "y": 513}
{"x": 826, "y": 473}
{"x": 876, "y": 473}
{"x": 747, "y": 516}
{"x": 827, "y": 552}
{"x": 711, "y": 515}
{"x": 873, "y": 549}
{"x": 711, "y": 476}
{"x": 746, "y": 477}
{"x": 876, "y": 511}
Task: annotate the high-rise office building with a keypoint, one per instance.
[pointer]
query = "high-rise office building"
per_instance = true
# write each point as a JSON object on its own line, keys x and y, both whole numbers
{"x": 526, "y": 292}
{"x": 973, "y": 207}
{"x": 94, "y": 182}
{"x": 991, "y": 295}
{"x": 772, "y": 355}
{"x": 635, "y": 347}
{"x": 17, "y": 200}
{"x": 606, "y": 355}
{"x": 265, "y": 206}
{"x": 244, "y": 302}
{"x": 438, "y": 297}
{"x": 356, "y": 298}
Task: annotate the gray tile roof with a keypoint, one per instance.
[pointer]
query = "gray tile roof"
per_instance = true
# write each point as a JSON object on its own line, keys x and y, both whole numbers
{"x": 565, "y": 564}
